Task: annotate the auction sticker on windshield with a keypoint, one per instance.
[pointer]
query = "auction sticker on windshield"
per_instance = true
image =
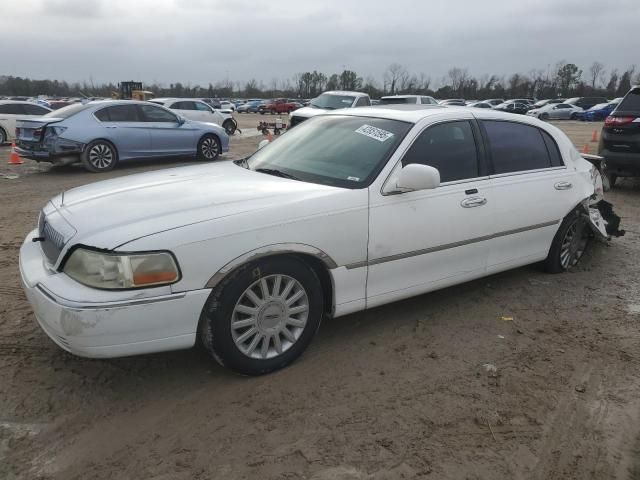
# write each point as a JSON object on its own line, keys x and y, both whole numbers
{"x": 374, "y": 132}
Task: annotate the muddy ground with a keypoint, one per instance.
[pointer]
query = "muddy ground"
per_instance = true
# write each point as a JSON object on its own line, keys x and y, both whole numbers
{"x": 442, "y": 386}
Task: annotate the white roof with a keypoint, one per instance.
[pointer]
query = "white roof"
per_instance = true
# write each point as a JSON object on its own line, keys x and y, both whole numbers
{"x": 415, "y": 113}
{"x": 345, "y": 92}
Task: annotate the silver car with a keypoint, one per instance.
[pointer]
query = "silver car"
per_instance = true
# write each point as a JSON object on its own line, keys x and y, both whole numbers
{"x": 101, "y": 134}
{"x": 556, "y": 111}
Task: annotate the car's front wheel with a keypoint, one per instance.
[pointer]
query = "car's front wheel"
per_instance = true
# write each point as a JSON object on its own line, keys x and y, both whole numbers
{"x": 99, "y": 156}
{"x": 574, "y": 116}
{"x": 208, "y": 148}
{"x": 569, "y": 243}
{"x": 544, "y": 116}
{"x": 263, "y": 316}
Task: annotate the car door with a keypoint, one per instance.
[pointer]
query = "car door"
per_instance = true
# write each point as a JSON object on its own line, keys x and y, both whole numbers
{"x": 422, "y": 240}
{"x": 169, "y": 134}
{"x": 122, "y": 125}
{"x": 186, "y": 109}
{"x": 9, "y": 112}
{"x": 207, "y": 114}
{"x": 531, "y": 188}
{"x": 563, "y": 112}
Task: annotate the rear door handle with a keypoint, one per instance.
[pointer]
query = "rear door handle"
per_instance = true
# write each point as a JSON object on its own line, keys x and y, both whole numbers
{"x": 111, "y": 126}
{"x": 473, "y": 202}
{"x": 563, "y": 185}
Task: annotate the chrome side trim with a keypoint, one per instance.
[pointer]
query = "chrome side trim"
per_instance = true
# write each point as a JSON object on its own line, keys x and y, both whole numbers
{"x": 400, "y": 256}
{"x": 107, "y": 305}
{"x": 268, "y": 250}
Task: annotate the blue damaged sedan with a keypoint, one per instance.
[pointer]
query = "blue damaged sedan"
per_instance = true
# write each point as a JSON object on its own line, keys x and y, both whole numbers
{"x": 100, "y": 134}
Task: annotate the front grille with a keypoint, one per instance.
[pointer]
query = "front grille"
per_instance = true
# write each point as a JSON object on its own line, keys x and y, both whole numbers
{"x": 52, "y": 242}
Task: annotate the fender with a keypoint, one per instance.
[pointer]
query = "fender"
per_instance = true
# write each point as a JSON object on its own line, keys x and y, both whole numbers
{"x": 267, "y": 251}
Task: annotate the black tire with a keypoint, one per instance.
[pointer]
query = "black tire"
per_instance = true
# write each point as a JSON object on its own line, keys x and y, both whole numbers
{"x": 208, "y": 148}
{"x": 215, "y": 322}
{"x": 262, "y": 112}
{"x": 573, "y": 234}
{"x": 99, "y": 156}
{"x": 544, "y": 116}
{"x": 229, "y": 126}
{"x": 3, "y": 137}
{"x": 573, "y": 116}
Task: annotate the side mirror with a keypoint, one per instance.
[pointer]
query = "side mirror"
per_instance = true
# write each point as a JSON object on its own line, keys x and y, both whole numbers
{"x": 181, "y": 120}
{"x": 416, "y": 176}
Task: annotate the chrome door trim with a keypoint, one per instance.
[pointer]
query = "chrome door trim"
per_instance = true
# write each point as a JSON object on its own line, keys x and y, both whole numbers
{"x": 414, "y": 253}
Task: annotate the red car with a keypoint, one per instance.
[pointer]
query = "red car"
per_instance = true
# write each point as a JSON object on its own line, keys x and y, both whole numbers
{"x": 278, "y": 105}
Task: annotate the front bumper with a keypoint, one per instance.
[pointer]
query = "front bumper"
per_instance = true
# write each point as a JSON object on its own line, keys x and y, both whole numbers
{"x": 99, "y": 324}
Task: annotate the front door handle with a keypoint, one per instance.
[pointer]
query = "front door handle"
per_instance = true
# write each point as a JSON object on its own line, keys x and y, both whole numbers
{"x": 473, "y": 202}
{"x": 563, "y": 185}
{"x": 111, "y": 126}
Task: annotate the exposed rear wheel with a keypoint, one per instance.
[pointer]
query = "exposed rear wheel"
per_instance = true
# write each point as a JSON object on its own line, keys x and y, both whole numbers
{"x": 569, "y": 243}
{"x": 208, "y": 148}
{"x": 229, "y": 126}
{"x": 99, "y": 156}
{"x": 263, "y": 316}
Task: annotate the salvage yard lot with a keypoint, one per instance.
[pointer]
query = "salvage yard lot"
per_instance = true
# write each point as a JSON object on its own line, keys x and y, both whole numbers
{"x": 518, "y": 375}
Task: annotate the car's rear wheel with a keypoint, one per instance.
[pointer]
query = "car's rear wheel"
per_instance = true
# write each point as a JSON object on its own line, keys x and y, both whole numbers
{"x": 208, "y": 148}
{"x": 263, "y": 316}
{"x": 569, "y": 243}
{"x": 229, "y": 126}
{"x": 99, "y": 156}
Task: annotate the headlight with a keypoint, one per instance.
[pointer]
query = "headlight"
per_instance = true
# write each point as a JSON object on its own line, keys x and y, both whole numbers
{"x": 121, "y": 271}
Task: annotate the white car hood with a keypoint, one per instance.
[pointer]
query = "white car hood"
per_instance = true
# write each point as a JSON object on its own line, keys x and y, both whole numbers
{"x": 307, "y": 112}
{"x": 110, "y": 213}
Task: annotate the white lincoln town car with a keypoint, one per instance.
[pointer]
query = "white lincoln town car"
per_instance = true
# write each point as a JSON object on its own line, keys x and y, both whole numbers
{"x": 350, "y": 210}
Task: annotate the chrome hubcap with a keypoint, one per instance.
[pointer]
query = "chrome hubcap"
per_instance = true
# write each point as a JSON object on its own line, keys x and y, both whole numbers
{"x": 573, "y": 244}
{"x": 270, "y": 316}
{"x": 209, "y": 148}
{"x": 100, "y": 156}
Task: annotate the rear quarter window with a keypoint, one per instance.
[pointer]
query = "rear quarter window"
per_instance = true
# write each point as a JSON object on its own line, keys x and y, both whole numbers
{"x": 516, "y": 147}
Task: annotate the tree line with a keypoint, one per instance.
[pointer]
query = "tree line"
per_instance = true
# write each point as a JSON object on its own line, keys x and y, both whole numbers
{"x": 563, "y": 80}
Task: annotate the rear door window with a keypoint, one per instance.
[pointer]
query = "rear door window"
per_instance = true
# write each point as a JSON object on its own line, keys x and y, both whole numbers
{"x": 450, "y": 147}
{"x": 515, "y": 147}
{"x": 184, "y": 105}
{"x": 203, "y": 107}
{"x": 35, "y": 110}
{"x": 118, "y": 113}
{"x": 12, "y": 109}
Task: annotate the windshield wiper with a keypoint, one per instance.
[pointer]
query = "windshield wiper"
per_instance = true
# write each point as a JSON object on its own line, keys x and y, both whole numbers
{"x": 276, "y": 173}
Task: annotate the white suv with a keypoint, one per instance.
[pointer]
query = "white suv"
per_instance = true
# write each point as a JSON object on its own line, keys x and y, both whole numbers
{"x": 199, "y": 111}
{"x": 332, "y": 100}
{"x": 409, "y": 99}
{"x": 10, "y": 110}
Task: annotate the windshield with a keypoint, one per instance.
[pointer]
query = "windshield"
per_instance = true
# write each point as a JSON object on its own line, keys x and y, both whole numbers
{"x": 336, "y": 150}
{"x": 631, "y": 102}
{"x": 69, "y": 110}
{"x": 397, "y": 100}
{"x": 329, "y": 101}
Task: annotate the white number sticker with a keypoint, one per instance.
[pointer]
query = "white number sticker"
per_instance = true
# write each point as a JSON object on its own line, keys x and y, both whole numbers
{"x": 375, "y": 133}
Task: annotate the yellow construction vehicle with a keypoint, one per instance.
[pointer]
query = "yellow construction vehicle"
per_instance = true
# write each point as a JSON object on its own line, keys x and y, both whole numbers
{"x": 131, "y": 91}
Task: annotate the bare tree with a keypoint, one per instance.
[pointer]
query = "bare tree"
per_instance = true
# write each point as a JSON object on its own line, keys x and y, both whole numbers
{"x": 458, "y": 78}
{"x": 596, "y": 72}
{"x": 394, "y": 74}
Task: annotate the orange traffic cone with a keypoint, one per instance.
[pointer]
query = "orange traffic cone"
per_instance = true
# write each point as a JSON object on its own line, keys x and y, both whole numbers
{"x": 586, "y": 148}
{"x": 594, "y": 136}
{"x": 14, "y": 158}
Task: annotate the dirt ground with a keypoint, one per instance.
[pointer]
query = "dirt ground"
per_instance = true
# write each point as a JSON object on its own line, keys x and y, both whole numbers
{"x": 442, "y": 386}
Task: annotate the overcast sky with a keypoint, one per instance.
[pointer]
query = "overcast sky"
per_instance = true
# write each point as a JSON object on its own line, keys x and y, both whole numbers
{"x": 202, "y": 41}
